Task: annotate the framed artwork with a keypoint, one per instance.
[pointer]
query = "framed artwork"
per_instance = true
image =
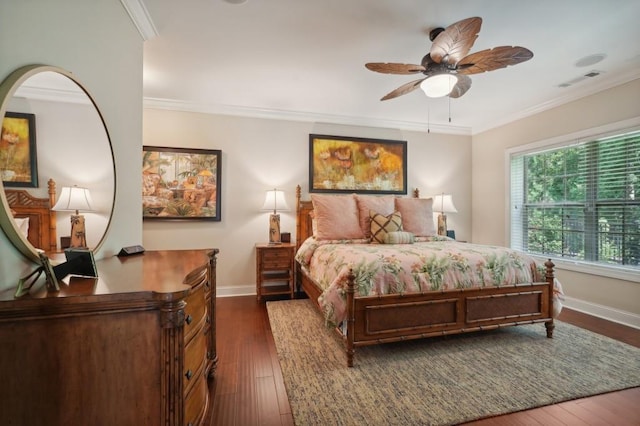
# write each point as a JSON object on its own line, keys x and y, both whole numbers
{"x": 181, "y": 183}
{"x": 361, "y": 165}
{"x": 18, "y": 159}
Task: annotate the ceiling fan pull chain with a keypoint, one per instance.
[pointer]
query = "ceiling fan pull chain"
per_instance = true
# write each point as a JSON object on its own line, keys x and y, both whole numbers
{"x": 449, "y": 109}
{"x": 428, "y": 117}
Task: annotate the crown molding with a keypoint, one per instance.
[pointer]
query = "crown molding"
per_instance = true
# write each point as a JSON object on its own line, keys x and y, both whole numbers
{"x": 276, "y": 114}
{"x": 141, "y": 19}
{"x": 574, "y": 95}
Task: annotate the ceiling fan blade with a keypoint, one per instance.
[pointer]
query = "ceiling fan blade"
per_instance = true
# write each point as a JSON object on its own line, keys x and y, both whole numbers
{"x": 493, "y": 59}
{"x": 461, "y": 87}
{"x": 404, "y": 89}
{"x": 392, "y": 68}
{"x": 453, "y": 44}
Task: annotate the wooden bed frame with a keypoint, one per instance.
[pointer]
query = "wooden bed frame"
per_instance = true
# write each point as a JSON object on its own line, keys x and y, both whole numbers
{"x": 42, "y": 220}
{"x": 389, "y": 318}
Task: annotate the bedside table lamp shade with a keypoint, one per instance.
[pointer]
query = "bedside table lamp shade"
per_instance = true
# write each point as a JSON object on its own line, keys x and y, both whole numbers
{"x": 75, "y": 199}
{"x": 443, "y": 203}
{"x": 274, "y": 201}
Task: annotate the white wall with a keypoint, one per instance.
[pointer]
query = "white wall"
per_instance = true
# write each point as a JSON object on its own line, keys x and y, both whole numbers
{"x": 260, "y": 154}
{"x": 609, "y": 297}
{"x": 96, "y": 41}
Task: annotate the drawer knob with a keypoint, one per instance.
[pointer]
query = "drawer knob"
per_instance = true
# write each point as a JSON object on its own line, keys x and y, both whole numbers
{"x": 189, "y": 374}
{"x": 189, "y": 319}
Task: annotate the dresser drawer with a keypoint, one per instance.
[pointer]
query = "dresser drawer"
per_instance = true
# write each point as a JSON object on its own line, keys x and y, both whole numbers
{"x": 196, "y": 402}
{"x": 194, "y": 311}
{"x": 195, "y": 353}
{"x": 276, "y": 259}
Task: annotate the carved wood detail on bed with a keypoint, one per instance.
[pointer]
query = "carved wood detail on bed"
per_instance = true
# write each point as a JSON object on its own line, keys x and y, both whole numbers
{"x": 42, "y": 220}
{"x": 390, "y": 318}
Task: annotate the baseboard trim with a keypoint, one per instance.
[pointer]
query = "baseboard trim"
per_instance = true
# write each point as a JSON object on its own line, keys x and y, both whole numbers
{"x": 248, "y": 290}
{"x": 604, "y": 312}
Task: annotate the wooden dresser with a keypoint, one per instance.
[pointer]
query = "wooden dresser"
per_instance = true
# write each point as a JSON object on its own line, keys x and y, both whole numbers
{"x": 134, "y": 347}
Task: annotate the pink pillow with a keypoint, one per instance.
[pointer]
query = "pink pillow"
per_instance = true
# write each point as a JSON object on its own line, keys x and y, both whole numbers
{"x": 336, "y": 217}
{"x": 417, "y": 216}
{"x": 379, "y": 204}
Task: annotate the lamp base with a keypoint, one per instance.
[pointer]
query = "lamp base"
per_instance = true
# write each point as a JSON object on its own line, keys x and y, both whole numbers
{"x": 442, "y": 224}
{"x": 274, "y": 229}
{"x": 78, "y": 236}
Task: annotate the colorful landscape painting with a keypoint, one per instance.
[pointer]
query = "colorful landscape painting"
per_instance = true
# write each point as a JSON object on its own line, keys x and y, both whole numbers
{"x": 345, "y": 164}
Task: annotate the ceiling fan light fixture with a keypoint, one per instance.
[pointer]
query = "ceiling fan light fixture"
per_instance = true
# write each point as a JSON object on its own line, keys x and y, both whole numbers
{"x": 438, "y": 85}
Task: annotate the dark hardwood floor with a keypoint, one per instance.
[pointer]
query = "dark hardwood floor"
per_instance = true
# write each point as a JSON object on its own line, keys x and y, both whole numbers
{"x": 249, "y": 390}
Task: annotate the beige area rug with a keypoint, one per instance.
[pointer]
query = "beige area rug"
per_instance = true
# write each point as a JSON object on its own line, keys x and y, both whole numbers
{"x": 442, "y": 380}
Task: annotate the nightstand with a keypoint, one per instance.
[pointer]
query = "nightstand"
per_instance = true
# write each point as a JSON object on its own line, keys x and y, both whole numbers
{"x": 275, "y": 269}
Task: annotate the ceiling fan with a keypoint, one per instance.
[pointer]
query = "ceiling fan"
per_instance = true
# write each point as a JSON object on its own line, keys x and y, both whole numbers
{"x": 446, "y": 67}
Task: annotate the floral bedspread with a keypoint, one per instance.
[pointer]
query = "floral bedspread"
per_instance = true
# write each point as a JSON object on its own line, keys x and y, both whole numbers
{"x": 430, "y": 264}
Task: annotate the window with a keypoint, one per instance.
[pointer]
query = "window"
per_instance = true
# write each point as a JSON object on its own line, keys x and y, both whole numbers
{"x": 579, "y": 201}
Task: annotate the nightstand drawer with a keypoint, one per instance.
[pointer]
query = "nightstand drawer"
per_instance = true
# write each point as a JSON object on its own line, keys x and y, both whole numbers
{"x": 275, "y": 273}
{"x": 276, "y": 259}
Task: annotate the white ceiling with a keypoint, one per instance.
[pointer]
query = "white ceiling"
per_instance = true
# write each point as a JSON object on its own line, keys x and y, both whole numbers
{"x": 304, "y": 59}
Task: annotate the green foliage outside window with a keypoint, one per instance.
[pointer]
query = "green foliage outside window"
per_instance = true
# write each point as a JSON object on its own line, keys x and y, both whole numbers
{"x": 580, "y": 201}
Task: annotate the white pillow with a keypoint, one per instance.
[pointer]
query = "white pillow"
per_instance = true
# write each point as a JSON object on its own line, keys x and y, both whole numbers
{"x": 23, "y": 225}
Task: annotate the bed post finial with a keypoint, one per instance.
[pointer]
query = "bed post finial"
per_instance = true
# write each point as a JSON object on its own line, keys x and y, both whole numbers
{"x": 416, "y": 193}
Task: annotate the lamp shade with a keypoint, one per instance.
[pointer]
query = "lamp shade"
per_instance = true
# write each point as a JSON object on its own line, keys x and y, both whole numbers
{"x": 74, "y": 198}
{"x": 444, "y": 204}
{"x": 438, "y": 85}
{"x": 274, "y": 200}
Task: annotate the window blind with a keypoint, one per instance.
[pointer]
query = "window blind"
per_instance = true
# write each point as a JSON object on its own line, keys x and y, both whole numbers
{"x": 579, "y": 201}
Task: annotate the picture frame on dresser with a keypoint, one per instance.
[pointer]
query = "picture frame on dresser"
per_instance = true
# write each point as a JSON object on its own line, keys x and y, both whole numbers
{"x": 357, "y": 165}
{"x": 181, "y": 183}
{"x": 18, "y": 157}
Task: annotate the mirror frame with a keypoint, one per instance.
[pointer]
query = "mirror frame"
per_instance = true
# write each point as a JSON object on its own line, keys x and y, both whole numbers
{"x": 8, "y": 87}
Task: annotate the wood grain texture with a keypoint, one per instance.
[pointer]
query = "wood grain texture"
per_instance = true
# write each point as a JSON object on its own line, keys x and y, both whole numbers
{"x": 109, "y": 351}
{"x": 236, "y": 386}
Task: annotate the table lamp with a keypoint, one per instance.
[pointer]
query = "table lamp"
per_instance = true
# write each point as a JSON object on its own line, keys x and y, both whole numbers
{"x": 274, "y": 200}
{"x": 444, "y": 204}
{"x": 75, "y": 199}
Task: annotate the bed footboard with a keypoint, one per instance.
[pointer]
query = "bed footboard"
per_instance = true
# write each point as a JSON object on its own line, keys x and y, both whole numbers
{"x": 390, "y": 318}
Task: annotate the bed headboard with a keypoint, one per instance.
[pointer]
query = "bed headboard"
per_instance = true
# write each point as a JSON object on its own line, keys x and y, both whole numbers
{"x": 42, "y": 220}
{"x": 303, "y": 218}
{"x": 304, "y": 227}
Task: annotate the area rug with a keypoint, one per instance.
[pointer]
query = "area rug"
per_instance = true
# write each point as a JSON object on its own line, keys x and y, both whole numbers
{"x": 441, "y": 380}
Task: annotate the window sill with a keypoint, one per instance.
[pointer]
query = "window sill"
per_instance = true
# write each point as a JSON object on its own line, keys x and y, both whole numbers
{"x": 620, "y": 273}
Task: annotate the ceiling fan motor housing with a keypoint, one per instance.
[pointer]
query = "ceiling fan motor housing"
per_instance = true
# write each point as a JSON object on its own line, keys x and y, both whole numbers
{"x": 435, "y": 32}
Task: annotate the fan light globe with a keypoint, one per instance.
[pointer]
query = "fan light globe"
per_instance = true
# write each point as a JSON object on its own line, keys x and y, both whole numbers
{"x": 438, "y": 85}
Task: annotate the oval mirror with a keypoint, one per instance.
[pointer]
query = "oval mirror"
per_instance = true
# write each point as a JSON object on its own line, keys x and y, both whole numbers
{"x": 69, "y": 146}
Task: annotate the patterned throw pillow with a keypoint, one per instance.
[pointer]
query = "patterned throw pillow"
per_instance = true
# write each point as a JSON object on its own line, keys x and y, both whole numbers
{"x": 383, "y": 204}
{"x": 381, "y": 225}
{"x": 400, "y": 237}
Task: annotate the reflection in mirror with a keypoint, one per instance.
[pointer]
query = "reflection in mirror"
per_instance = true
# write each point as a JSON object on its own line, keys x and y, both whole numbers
{"x": 72, "y": 148}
